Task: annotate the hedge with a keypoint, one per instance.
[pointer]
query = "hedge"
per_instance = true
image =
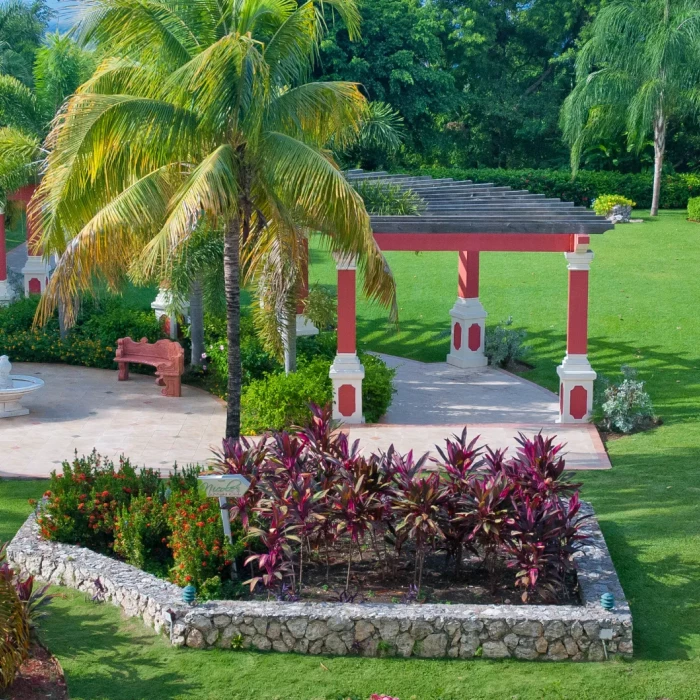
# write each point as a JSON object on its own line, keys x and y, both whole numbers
{"x": 694, "y": 209}
{"x": 675, "y": 189}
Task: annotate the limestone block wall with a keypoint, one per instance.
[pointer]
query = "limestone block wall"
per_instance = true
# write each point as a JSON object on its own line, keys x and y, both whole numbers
{"x": 585, "y": 632}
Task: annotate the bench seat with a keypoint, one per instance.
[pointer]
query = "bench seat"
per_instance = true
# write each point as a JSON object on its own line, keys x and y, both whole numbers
{"x": 167, "y": 356}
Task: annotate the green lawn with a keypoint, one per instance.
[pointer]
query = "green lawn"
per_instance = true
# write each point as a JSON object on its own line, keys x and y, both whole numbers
{"x": 644, "y": 298}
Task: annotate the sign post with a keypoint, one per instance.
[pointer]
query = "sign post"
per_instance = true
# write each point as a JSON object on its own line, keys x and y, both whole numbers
{"x": 223, "y": 487}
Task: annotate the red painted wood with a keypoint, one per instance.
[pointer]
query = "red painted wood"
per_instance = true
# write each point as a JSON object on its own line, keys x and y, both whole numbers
{"x": 34, "y": 286}
{"x": 578, "y": 402}
{"x": 346, "y": 311}
{"x": 468, "y": 286}
{"x": 457, "y": 336}
{"x": 3, "y": 249}
{"x": 524, "y": 243}
{"x": 23, "y": 194}
{"x": 577, "y": 322}
{"x": 474, "y": 337}
{"x": 346, "y": 400}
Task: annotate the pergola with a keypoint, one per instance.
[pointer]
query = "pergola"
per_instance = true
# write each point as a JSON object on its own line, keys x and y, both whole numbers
{"x": 471, "y": 218}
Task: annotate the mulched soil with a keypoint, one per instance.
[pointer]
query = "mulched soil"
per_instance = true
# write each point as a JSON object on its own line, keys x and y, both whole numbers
{"x": 41, "y": 677}
{"x": 371, "y": 582}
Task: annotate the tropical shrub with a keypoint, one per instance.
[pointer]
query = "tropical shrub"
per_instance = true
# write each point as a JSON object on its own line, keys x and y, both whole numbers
{"x": 385, "y": 199}
{"x": 625, "y": 406}
{"x": 604, "y": 203}
{"x": 676, "y": 189}
{"x": 21, "y": 607}
{"x": 321, "y": 308}
{"x": 141, "y": 532}
{"x": 377, "y": 387}
{"x": 694, "y": 209}
{"x": 504, "y": 345}
{"x": 82, "y": 504}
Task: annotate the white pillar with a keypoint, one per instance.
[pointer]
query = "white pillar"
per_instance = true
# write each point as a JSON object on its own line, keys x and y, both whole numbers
{"x": 575, "y": 373}
{"x": 468, "y": 317}
{"x": 347, "y": 371}
{"x": 160, "y": 306}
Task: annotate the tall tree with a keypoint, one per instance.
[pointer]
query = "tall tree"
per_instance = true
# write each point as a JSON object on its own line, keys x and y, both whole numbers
{"x": 202, "y": 114}
{"x": 22, "y": 27}
{"x": 639, "y": 70}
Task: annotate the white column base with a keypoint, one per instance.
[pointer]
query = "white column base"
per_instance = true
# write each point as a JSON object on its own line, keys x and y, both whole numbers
{"x": 36, "y": 273}
{"x": 6, "y": 293}
{"x": 467, "y": 337}
{"x": 576, "y": 389}
{"x": 346, "y": 375}
{"x": 10, "y": 409}
{"x": 305, "y": 327}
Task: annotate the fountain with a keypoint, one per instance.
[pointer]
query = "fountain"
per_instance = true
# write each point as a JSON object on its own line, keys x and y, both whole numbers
{"x": 13, "y": 388}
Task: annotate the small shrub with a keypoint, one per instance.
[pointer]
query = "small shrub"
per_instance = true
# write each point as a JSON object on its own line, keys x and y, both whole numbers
{"x": 200, "y": 551}
{"x": 694, "y": 208}
{"x": 141, "y": 532}
{"x": 604, "y": 203}
{"x": 503, "y": 345}
{"x": 385, "y": 199}
{"x": 82, "y": 504}
{"x": 625, "y": 407}
{"x": 278, "y": 400}
{"x": 377, "y": 387}
{"x": 14, "y": 631}
{"x": 321, "y": 308}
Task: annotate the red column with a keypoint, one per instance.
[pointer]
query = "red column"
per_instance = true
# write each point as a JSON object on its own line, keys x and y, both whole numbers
{"x": 3, "y": 248}
{"x": 577, "y": 322}
{"x": 304, "y": 286}
{"x": 346, "y": 311}
{"x": 468, "y": 287}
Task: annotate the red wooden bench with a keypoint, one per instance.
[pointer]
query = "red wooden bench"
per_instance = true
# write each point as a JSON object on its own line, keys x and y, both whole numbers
{"x": 167, "y": 356}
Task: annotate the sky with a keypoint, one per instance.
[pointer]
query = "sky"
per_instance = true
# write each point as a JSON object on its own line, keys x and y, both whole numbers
{"x": 64, "y": 11}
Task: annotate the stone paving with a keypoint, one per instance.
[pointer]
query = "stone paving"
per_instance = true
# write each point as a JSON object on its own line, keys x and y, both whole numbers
{"x": 81, "y": 409}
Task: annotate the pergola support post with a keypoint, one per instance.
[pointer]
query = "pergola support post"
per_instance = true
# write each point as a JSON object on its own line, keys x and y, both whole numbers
{"x": 36, "y": 270}
{"x": 304, "y": 325}
{"x": 468, "y": 317}
{"x": 575, "y": 373}
{"x": 346, "y": 371}
{"x": 6, "y": 294}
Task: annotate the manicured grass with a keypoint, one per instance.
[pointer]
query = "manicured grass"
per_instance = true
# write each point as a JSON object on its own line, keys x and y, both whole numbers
{"x": 645, "y": 295}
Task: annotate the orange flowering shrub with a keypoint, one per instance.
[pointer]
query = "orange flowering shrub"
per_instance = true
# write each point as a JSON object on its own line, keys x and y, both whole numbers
{"x": 81, "y": 505}
{"x": 200, "y": 551}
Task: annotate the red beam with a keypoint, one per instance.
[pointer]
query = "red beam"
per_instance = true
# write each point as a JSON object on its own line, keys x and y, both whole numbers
{"x": 516, "y": 242}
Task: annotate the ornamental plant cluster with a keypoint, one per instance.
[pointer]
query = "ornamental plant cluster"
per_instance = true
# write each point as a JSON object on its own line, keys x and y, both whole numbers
{"x": 22, "y": 605}
{"x": 167, "y": 527}
{"x": 314, "y": 497}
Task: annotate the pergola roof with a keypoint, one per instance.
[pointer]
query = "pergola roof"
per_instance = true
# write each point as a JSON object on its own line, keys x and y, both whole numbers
{"x": 466, "y": 207}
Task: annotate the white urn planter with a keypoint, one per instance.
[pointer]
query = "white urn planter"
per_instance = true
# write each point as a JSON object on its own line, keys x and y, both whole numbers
{"x": 13, "y": 388}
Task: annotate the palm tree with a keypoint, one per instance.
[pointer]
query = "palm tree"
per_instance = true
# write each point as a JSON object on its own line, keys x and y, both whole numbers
{"x": 639, "y": 70}
{"x": 201, "y": 113}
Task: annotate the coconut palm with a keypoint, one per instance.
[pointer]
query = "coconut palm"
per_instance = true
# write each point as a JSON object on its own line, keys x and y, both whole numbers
{"x": 639, "y": 70}
{"x": 201, "y": 114}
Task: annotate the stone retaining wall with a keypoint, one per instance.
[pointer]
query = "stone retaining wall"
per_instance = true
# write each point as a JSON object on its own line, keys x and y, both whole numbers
{"x": 584, "y": 632}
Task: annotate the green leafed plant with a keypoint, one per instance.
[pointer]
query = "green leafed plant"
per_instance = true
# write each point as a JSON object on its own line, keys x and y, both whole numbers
{"x": 385, "y": 199}
{"x": 625, "y": 406}
{"x": 694, "y": 208}
{"x": 603, "y": 205}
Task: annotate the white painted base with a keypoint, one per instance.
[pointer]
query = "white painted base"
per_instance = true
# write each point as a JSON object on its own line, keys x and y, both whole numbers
{"x": 6, "y": 293}
{"x": 305, "y": 327}
{"x": 576, "y": 389}
{"x": 36, "y": 268}
{"x": 160, "y": 307}
{"x": 466, "y": 314}
{"x": 10, "y": 409}
{"x": 346, "y": 375}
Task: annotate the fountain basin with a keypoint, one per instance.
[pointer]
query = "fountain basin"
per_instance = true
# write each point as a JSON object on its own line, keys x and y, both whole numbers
{"x": 13, "y": 388}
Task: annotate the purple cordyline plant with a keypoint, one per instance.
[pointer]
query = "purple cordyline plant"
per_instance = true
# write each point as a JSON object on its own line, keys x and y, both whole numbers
{"x": 459, "y": 460}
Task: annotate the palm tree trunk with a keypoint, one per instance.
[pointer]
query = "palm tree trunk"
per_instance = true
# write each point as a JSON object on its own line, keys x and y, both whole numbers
{"x": 659, "y": 151}
{"x": 197, "y": 323}
{"x": 290, "y": 339}
{"x": 233, "y": 322}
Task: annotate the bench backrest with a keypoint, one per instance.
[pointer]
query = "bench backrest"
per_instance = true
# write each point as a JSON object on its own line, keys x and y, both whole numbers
{"x": 165, "y": 350}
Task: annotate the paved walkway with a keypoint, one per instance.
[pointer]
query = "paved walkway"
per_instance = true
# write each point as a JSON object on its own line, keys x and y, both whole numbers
{"x": 81, "y": 409}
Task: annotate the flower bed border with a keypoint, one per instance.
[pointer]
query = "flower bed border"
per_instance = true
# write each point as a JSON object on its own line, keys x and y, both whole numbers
{"x": 585, "y": 632}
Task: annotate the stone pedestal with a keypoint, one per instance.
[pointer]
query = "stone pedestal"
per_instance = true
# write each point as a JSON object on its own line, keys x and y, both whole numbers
{"x": 160, "y": 307}
{"x": 36, "y": 274}
{"x": 346, "y": 375}
{"x": 305, "y": 326}
{"x": 576, "y": 389}
{"x": 468, "y": 331}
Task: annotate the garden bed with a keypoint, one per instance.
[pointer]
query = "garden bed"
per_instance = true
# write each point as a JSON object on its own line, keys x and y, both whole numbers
{"x": 585, "y": 632}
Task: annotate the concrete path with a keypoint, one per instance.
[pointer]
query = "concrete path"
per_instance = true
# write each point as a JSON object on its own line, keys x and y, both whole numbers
{"x": 81, "y": 409}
